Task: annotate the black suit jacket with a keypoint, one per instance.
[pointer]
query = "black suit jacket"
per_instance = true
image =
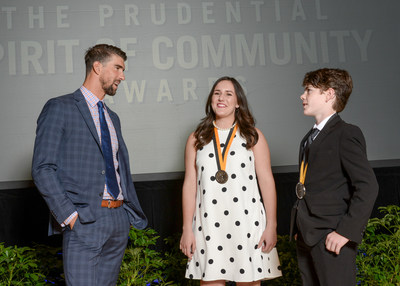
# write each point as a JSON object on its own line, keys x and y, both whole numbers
{"x": 341, "y": 187}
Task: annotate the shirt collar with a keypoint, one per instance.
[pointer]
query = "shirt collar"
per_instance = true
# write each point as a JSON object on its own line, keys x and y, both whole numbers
{"x": 89, "y": 96}
{"x": 321, "y": 125}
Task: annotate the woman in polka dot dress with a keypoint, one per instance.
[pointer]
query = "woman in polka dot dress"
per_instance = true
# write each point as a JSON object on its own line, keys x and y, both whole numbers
{"x": 229, "y": 223}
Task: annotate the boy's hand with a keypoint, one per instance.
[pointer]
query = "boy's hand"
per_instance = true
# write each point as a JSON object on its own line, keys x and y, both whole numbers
{"x": 334, "y": 242}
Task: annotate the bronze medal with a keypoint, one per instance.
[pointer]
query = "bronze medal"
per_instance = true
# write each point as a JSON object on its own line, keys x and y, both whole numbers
{"x": 300, "y": 190}
{"x": 221, "y": 176}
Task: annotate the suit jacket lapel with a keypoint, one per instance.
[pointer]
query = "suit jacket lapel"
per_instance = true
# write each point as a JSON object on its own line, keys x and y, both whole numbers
{"x": 302, "y": 143}
{"x": 321, "y": 136}
{"x": 117, "y": 127}
{"x": 87, "y": 116}
{"x": 121, "y": 154}
{"x": 114, "y": 120}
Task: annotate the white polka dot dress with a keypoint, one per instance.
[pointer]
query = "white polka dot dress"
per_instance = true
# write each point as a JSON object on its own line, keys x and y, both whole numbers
{"x": 229, "y": 219}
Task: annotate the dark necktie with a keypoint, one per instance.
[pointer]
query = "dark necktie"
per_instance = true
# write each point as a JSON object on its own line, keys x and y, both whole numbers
{"x": 111, "y": 178}
{"x": 308, "y": 142}
{"x": 312, "y": 136}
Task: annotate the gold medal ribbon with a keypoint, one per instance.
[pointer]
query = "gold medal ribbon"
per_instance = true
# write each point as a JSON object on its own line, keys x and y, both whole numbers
{"x": 222, "y": 157}
{"x": 303, "y": 171}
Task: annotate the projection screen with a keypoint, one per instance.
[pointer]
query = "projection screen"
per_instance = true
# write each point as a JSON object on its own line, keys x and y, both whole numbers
{"x": 176, "y": 49}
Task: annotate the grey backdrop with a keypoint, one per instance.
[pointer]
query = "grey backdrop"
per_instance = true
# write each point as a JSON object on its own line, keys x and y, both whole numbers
{"x": 176, "y": 49}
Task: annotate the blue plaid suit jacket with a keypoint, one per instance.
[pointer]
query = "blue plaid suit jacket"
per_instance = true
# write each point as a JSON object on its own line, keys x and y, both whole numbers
{"x": 68, "y": 165}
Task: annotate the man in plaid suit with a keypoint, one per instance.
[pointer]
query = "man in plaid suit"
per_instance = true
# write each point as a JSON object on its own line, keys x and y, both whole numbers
{"x": 69, "y": 170}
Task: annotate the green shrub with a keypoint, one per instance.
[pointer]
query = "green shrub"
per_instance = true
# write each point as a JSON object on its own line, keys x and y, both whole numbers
{"x": 50, "y": 263}
{"x": 378, "y": 260}
{"x": 142, "y": 265}
{"x": 19, "y": 266}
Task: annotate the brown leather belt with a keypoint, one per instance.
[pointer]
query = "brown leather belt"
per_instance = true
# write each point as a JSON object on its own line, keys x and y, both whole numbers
{"x": 111, "y": 204}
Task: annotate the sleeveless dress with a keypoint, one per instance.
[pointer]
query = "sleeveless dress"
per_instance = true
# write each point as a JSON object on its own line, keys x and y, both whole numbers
{"x": 229, "y": 219}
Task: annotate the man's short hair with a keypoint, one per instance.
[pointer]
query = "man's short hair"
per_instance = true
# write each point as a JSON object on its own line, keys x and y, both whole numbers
{"x": 101, "y": 53}
{"x": 337, "y": 79}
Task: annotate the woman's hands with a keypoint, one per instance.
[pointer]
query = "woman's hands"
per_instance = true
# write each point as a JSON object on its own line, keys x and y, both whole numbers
{"x": 268, "y": 240}
{"x": 188, "y": 243}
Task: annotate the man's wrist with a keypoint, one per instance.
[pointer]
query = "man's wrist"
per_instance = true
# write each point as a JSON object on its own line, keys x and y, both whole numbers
{"x": 69, "y": 219}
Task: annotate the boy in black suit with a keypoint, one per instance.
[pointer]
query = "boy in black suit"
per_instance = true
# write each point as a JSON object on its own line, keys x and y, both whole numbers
{"x": 337, "y": 187}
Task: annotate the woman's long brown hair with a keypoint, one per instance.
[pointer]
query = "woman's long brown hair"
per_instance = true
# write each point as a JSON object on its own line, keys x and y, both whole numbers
{"x": 243, "y": 118}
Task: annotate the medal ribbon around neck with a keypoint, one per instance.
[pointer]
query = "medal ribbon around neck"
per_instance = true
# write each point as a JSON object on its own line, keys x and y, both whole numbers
{"x": 221, "y": 157}
{"x": 300, "y": 188}
{"x": 303, "y": 171}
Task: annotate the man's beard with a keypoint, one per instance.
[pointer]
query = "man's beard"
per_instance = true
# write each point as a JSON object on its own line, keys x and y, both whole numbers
{"x": 110, "y": 90}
